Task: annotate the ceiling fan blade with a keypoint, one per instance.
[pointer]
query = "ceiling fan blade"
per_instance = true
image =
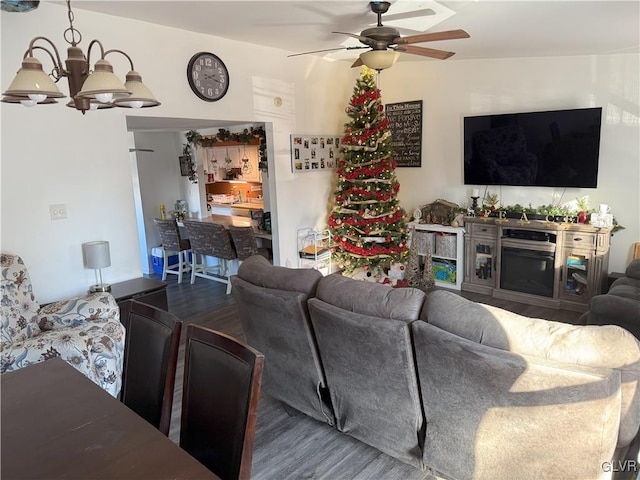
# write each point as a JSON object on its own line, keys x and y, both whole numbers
{"x": 425, "y": 52}
{"x": 326, "y": 50}
{"x": 432, "y": 37}
{"x": 357, "y": 63}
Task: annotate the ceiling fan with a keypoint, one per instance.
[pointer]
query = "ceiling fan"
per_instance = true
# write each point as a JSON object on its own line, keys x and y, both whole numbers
{"x": 385, "y": 42}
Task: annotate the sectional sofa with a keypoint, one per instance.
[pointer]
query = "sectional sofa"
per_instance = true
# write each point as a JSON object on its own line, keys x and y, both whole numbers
{"x": 461, "y": 389}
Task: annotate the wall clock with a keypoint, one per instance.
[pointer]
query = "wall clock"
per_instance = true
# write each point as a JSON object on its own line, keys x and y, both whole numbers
{"x": 208, "y": 76}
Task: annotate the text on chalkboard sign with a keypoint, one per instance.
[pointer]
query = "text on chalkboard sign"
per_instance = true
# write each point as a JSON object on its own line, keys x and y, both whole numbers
{"x": 405, "y": 125}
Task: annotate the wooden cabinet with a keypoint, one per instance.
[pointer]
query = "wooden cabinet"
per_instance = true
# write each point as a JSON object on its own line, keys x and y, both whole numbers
{"x": 557, "y": 265}
{"x": 446, "y": 246}
{"x": 224, "y": 156}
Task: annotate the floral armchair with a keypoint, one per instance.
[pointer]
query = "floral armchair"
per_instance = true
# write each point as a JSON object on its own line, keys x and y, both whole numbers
{"x": 83, "y": 331}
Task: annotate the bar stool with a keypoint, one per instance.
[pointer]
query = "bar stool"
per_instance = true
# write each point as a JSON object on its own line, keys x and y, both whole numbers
{"x": 246, "y": 244}
{"x": 173, "y": 243}
{"x": 210, "y": 240}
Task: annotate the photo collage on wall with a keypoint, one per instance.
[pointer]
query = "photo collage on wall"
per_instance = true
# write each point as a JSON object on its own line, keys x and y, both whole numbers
{"x": 313, "y": 153}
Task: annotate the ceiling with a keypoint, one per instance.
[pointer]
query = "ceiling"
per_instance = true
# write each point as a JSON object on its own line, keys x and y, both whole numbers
{"x": 498, "y": 29}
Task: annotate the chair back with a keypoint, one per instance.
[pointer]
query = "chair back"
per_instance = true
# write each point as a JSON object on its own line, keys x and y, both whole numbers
{"x": 220, "y": 401}
{"x": 170, "y": 235}
{"x": 244, "y": 241}
{"x": 210, "y": 239}
{"x": 150, "y": 359}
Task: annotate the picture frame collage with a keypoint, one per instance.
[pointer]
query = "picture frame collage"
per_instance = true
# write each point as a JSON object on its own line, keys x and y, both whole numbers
{"x": 315, "y": 153}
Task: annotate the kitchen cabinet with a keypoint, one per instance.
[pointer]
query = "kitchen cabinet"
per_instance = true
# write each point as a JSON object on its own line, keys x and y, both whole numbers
{"x": 243, "y": 158}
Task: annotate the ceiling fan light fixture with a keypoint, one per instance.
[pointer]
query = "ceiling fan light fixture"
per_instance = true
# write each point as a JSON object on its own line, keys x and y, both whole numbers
{"x": 379, "y": 59}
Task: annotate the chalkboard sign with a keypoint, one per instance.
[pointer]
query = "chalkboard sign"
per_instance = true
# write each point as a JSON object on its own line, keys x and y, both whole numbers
{"x": 405, "y": 124}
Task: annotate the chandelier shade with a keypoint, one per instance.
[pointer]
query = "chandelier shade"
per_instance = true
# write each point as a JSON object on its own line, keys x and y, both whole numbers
{"x": 31, "y": 81}
{"x": 26, "y": 101}
{"x": 89, "y": 89}
{"x": 141, "y": 96}
{"x": 103, "y": 83}
{"x": 379, "y": 59}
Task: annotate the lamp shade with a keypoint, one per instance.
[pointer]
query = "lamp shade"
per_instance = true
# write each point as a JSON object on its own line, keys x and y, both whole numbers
{"x": 103, "y": 81}
{"x": 31, "y": 80}
{"x": 96, "y": 254}
{"x": 379, "y": 59}
{"x": 140, "y": 97}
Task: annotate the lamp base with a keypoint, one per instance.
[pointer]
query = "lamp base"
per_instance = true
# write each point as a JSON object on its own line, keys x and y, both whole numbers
{"x": 105, "y": 287}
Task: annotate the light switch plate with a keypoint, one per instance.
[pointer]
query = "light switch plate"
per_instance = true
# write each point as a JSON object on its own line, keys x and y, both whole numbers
{"x": 58, "y": 211}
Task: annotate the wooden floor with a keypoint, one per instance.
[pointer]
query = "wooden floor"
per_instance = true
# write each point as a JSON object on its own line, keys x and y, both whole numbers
{"x": 294, "y": 446}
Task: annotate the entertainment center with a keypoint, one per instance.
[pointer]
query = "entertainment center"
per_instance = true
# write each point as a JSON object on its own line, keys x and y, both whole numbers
{"x": 550, "y": 264}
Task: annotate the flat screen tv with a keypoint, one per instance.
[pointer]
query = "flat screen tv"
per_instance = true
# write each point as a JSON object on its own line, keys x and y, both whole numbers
{"x": 558, "y": 148}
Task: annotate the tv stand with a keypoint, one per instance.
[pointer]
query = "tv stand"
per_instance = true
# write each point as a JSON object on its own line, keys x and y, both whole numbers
{"x": 557, "y": 265}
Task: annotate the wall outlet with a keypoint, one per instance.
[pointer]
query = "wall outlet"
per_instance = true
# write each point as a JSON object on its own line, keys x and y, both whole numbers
{"x": 58, "y": 211}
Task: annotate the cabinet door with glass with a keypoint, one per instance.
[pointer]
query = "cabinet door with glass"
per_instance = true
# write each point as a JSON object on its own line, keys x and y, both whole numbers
{"x": 482, "y": 261}
{"x": 575, "y": 276}
{"x": 481, "y": 254}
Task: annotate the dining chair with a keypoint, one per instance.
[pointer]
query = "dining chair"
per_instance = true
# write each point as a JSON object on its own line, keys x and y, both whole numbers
{"x": 150, "y": 359}
{"x": 210, "y": 240}
{"x": 220, "y": 398}
{"x": 172, "y": 242}
{"x": 246, "y": 244}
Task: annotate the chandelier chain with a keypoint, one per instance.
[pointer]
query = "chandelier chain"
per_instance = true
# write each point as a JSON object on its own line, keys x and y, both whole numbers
{"x": 75, "y": 36}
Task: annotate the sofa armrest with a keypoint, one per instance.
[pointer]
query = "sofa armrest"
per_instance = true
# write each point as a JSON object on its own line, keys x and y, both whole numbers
{"x": 633, "y": 269}
{"x": 99, "y": 306}
{"x": 486, "y": 407}
{"x": 614, "y": 310}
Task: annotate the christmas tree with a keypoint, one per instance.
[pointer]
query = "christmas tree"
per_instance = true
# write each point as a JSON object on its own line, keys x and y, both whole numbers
{"x": 367, "y": 224}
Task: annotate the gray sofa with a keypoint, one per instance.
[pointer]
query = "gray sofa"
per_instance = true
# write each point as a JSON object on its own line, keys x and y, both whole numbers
{"x": 620, "y": 305}
{"x": 459, "y": 388}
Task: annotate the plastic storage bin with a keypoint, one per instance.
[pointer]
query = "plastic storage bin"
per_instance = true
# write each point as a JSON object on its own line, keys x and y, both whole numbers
{"x": 158, "y": 263}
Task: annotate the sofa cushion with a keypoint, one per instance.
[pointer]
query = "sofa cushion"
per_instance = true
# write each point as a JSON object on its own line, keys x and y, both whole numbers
{"x": 258, "y": 271}
{"x": 606, "y": 346}
{"x": 374, "y": 299}
{"x": 95, "y": 349}
{"x": 18, "y": 304}
{"x": 371, "y": 375}
{"x": 276, "y": 322}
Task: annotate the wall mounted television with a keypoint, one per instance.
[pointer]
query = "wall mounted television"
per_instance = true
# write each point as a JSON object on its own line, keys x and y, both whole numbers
{"x": 558, "y": 148}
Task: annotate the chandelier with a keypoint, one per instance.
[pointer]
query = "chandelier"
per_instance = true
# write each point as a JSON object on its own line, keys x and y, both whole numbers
{"x": 88, "y": 89}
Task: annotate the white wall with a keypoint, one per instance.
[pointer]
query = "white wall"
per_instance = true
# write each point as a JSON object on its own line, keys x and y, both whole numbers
{"x": 52, "y": 154}
{"x": 452, "y": 89}
{"x": 159, "y": 183}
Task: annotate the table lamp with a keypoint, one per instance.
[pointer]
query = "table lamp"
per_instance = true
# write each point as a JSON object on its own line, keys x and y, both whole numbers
{"x": 96, "y": 256}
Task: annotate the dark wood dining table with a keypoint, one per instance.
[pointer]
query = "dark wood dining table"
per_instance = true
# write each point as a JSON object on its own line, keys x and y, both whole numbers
{"x": 56, "y": 423}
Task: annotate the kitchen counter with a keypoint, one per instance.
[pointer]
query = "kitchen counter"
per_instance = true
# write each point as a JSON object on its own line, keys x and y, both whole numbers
{"x": 245, "y": 206}
{"x": 226, "y": 220}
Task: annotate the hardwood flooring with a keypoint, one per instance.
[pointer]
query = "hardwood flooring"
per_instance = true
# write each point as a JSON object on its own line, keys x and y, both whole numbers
{"x": 289, "y": 445}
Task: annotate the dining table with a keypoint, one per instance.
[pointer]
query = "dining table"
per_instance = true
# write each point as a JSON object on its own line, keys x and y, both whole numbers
{"x": 57, "y": 423}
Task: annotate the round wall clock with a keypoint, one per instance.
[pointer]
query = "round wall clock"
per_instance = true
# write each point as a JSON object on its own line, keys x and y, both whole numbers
{"x": 208, "y": 76}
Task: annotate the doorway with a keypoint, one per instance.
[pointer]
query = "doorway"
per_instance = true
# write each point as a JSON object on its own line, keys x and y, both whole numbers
{"x": 155, "y": 145}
